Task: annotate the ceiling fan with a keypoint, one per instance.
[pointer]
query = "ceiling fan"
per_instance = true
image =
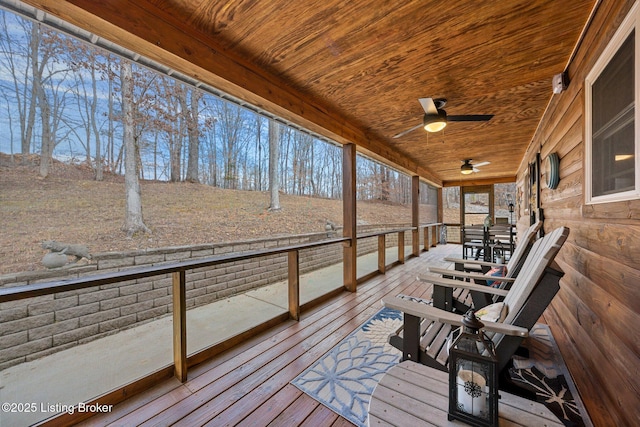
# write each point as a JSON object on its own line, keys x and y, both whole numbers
{"x": 435, "y": 117}
{"x": 468, "y": 168}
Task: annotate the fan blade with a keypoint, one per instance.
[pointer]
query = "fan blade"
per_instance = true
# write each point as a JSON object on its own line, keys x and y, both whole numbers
{"x": 471, "y": 118}
{"x": 476, "y": 170}
{"x": 407, "y": 131}
{"x": 428, "y": 105}
{"x": 478, "y": 165}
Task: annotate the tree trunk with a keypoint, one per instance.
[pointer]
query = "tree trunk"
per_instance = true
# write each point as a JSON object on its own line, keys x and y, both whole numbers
{"x": 155, "y": 156}
{"x": 258, "y": 185}
{"x": 274, "y": 157}
{"x": 46, "y": 152}
{"x": 193, "y": 132}
{"x": 133, "y": 202}
{"x": 94, "y": 121}
{"x": 386, "y": 192}
{"x": 175, "y": 144}
{"x": 110, "y": 135}
{"x": 31, "y": 117}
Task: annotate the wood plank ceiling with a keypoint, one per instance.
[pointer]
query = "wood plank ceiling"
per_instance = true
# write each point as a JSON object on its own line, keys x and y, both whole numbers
{"x": 354, "y": 70}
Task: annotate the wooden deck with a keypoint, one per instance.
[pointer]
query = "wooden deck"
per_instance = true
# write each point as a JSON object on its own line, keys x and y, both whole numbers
{"x": 410, "y": 394}
{"x": 248, "y": 385}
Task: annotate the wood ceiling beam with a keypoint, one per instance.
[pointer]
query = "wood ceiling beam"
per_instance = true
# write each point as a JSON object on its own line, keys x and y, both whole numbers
{"x": 143, "y": 28}
{"x": 480, "y": 181}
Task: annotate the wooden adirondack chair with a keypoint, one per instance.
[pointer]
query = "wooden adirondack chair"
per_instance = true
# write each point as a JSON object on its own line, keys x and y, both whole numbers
{"x": 460, "y": 300}
{"x": 423, "y": 336}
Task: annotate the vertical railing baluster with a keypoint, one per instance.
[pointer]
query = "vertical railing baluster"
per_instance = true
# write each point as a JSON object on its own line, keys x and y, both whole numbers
{"x": 294, "y": 284}
{"x": 180, "y": 325}
{"x": 382, "y": 253}
{"x": 435, "y": 236}
{"x": 427, "y": 235}
{"x": 401, "y": 247}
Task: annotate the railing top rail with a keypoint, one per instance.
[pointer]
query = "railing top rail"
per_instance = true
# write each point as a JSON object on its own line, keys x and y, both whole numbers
{"x": 431, "y": 224}
{"x": 46, "y": 288}
{"x": 395, "y": 230}
{"x": 380, "y": 233}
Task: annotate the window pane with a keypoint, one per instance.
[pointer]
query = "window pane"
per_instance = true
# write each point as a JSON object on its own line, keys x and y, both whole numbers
{"x": 476, "y": 208}
{"x": 613, "y": 159}
{"x": 504, "y": 195}
{"x": 613, "y": 162}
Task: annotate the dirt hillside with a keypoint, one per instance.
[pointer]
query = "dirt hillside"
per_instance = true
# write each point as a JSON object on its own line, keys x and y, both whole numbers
{"x": 69, "y": 206}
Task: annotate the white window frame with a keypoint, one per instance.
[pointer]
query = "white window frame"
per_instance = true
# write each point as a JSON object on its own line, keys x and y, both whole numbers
{"x": 630, "y": 23}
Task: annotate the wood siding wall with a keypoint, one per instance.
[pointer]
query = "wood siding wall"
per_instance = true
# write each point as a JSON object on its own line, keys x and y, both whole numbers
{"x": 596, "y": 314}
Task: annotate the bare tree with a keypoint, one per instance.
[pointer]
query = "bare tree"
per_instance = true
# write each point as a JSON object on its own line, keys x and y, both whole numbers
{"x": 210, "y": 171}
{"x": 232, "y": 132}
{"x": 51, "y": 91}
{"x": 258, "y": 172}
{"x": 133, "y": 199}
{"x": 86, "y": 60}
{"x": 274, "y": 184}
{"x": 39, "y": 64}
{"x": 284, "y": 159}
{"x": 16, "y": 62}
{"x": 385, "y": 177}
{"x": 192, "y": 113}
{"x": 43, "y": 101}
{"x": 174, "y": 136}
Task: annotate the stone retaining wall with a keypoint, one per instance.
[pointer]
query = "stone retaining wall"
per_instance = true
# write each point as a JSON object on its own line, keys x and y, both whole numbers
{"x": 36, "y": 327}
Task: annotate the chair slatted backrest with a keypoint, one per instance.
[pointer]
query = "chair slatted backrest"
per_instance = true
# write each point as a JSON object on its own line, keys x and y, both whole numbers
{"x": 541, "y": 255}
{"x": 472, "y": 233}
{"x": 520, "y": 253}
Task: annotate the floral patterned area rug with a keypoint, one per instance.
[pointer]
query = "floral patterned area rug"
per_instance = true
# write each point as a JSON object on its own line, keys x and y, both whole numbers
{"x": 545, "y": 374}
{"x": 344, "y": 378}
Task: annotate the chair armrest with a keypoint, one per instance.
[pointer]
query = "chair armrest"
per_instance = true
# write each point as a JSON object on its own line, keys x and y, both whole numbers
{"x": 451, "y": 283}
{"x": 429, "y": 312}
{"x": 473, "y": 262}
{"x": 466, "y": 275}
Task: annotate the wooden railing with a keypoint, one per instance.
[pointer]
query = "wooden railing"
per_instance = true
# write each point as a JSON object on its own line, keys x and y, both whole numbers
{"x": 430, "y": 239}
{"x": 178, "y": 271}
{"x": 431, "y": 234}
{"x": 382, "y": 245}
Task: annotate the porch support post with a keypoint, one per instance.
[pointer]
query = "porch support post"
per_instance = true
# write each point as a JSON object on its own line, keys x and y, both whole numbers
{"x": 349, "y": 216}
{"x": 180, "y": 325}
{"x": 294, "y": 285}
{"x": 440, "y": 214}
{"x": 415, "y": 214}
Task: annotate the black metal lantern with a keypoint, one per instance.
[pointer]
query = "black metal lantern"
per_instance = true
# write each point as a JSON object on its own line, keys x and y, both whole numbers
{"x": 473, "y": 376}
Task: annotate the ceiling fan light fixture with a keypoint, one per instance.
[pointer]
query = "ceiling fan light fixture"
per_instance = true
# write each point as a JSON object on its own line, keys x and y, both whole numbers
{"x": 435, "y": 122}
{"x": 466, "y": 168}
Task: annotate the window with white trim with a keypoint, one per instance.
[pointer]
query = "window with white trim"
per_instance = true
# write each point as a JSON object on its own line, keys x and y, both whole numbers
{"x": 612, "y": 166}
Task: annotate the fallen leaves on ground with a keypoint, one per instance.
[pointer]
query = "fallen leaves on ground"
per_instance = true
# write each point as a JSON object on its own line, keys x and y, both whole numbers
{"x": 70, "y": 206}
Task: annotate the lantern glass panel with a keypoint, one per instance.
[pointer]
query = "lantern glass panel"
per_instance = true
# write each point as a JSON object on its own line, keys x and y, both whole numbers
{"x": 472, "y": 388}
{"x": 473, "y": 394}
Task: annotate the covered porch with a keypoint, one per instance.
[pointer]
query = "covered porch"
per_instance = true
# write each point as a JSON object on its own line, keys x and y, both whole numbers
{"x": 353, "y": 73}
